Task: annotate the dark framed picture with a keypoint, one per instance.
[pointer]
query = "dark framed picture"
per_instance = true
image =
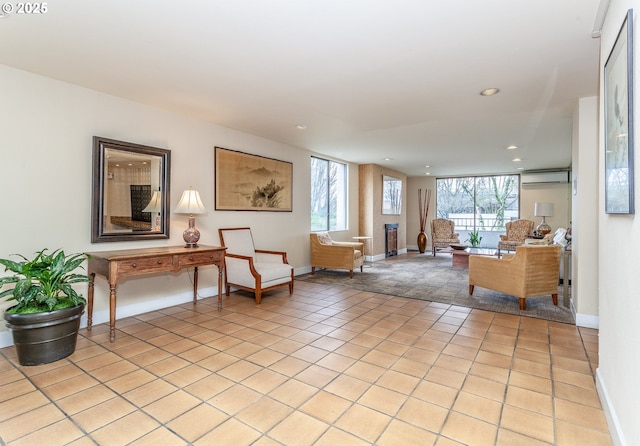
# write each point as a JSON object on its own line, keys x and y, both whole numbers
{"x": 618, "y": 122}
{"x": 246, "y": 182}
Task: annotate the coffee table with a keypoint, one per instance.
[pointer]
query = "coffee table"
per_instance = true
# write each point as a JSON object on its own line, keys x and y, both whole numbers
{"x": 461, "y": 256}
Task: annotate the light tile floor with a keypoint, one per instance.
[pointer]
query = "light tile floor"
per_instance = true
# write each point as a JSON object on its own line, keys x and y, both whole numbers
{"x": 325, "y": 366}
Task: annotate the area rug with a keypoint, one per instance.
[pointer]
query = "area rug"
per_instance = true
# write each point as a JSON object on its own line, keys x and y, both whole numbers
{"x": 424, "y": 277}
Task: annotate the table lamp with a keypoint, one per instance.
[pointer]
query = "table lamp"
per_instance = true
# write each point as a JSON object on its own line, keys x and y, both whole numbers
{"x": 190, "y": 203}
{"x": 543, "y": 210}
{"x": 155, "y": 205}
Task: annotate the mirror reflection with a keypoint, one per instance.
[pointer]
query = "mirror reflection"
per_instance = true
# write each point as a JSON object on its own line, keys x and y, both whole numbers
{"x": 130, "y": 191}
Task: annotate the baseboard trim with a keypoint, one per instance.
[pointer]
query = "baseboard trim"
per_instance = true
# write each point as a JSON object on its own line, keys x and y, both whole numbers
{"x": 124, "y": 311}
{"x": 587, "y": 321}
{"x": 617, "y": 436}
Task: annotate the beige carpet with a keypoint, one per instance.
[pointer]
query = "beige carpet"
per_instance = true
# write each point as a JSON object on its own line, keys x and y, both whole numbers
{"x": 422, "y": 276}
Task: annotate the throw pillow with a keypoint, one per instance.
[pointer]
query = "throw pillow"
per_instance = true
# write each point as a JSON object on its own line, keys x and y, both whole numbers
{"x": 324, "y": 238}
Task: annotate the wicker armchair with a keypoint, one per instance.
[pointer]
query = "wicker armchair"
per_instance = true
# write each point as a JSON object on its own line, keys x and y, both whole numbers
{"x": 326, "y": 253}
{"x": 533, "y": 271}
{"x": 253, "y": 269}
{"x": 442, "y": 234}
{"x": 517, "y": 233}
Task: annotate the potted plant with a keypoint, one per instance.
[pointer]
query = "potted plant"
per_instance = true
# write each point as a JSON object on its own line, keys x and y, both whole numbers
{"x": 474, "y": 239}
{"x": 45, "y": 320}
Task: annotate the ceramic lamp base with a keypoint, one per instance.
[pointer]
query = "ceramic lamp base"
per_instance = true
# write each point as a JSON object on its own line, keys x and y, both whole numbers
{"x": 191, "y": 235}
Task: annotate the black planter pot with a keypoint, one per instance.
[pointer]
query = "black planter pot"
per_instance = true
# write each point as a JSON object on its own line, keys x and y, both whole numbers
{"x": 42, "y": 338}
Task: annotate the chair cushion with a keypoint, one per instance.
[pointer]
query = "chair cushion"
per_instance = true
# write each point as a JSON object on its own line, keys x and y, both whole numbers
{"x": 240, "y": 242}
{"x": 273, "y": 271}
{"x": 324, "y": 238}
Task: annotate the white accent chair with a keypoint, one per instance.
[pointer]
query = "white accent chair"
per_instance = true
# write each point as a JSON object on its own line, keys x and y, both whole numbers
{"x": 251, "y": 269}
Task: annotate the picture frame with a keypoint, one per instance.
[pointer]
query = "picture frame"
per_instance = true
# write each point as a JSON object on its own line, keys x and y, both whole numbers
{"x": 247, "y": 182}
{"x": 618, "y": 122}
{"x": 391, "y": 195}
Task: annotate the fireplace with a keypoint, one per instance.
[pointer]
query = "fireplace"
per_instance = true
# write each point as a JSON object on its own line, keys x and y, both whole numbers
{"x": 391, "y": 239}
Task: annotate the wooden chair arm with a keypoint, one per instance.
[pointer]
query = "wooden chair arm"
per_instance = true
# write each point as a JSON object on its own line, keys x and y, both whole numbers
{"x": 281, "y": 254}
{"x": 249, "y": 259}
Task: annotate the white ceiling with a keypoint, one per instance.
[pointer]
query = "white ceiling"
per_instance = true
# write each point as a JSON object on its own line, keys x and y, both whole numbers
{"x": 371, "y": 79}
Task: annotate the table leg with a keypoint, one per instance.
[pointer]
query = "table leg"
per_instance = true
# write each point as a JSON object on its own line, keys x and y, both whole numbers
{"x": 92, "y": 276}
{"x": 220, "y": 287}
{"x": 195, "y": 284}
{"x": 565, "y": 279}
{"x": 112, "y": 312}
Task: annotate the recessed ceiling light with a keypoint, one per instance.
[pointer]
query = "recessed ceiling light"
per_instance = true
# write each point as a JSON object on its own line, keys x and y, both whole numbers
{"x": 489, "y": 92}
{"x": 520, "y": 168}
{"x": 388, "y": 159}
{"x": 427, "y": 166}
{"x": 301, "y": 126}
{"x": 512, "y": 147}
{"x": 516, "y": 160}
{"x": 427, "y": 173}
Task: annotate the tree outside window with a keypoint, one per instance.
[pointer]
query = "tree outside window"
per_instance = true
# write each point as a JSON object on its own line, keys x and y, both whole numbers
{"x": 328, "y": 195}
{"x": 481, "y": 204}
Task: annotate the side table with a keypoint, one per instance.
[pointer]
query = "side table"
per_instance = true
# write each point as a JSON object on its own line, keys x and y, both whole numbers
{"x": 364, "y": 239}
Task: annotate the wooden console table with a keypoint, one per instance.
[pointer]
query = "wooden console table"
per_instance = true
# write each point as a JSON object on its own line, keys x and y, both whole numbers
{"x": 116, "y": 265}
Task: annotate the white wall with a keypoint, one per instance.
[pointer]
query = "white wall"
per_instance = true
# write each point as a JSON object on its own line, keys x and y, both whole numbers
{"x": 46, "y": 135}
{"x": 585, "y": 259}
{"x": 619, "y": 281}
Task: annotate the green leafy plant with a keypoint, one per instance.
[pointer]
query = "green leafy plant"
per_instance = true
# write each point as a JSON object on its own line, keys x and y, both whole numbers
{"x": 43, "y": 283}
{"x": 474, "y": 239}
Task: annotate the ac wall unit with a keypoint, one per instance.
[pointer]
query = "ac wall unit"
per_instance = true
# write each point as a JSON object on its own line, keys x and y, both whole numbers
{"x": 541, "y": 177}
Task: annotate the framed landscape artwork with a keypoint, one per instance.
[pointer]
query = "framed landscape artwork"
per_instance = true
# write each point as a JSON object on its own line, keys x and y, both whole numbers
{"x": 246, "y": 182}
{"x": 391, "y": 195}
{"x": 618, "y": 122}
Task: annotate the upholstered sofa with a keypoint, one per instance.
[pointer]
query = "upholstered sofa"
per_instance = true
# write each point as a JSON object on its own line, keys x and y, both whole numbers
{"x": 532, "y": 271}
{"x": 330, "y": 254}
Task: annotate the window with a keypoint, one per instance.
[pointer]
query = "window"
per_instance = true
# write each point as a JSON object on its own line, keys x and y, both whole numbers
{"x": 482, "y": 204}
{"x": 328, "y": 195}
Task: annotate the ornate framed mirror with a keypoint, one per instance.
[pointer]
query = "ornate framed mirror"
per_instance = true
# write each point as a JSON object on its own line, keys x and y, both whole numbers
{"x": 130, "y": 196}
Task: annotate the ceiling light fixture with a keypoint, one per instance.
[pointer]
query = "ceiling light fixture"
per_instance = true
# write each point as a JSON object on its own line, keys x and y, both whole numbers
{"x": 489, "y": 91}
{"x": 516, "y": 160}
{"x": 512, "y": 147}
{"x": 388, "y": 159}
{"x": 427, "y": 166}
{"x": 301, "y": 127}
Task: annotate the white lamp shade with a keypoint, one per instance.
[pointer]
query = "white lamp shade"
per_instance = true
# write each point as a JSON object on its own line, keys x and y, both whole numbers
{"x": 155, "y": 205}
{"x": 543, "y": 210}
{"x": 190, "y": 203}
